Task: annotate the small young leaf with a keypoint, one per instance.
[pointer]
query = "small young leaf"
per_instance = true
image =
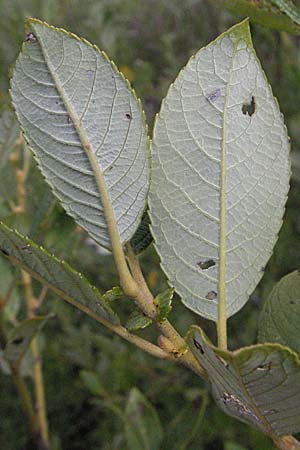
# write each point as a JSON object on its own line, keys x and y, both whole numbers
{"x": 220, "y": 176}
{"x": 9, "y": 131}
{"x": 163, "y": 303}
{"x": 56, "y": 275}
{"x": 142, "y": 237}
{"x": 276, "y": 14}
{"x": 113, "y": 294}
{"x": 137, "y": 321}
{"x": 20, "y": 338}
{"x": 86, "y": 128}
{"x": 279, "y": 320}
{"x": 258, "y": 385}
{"x": 142, "y": 425}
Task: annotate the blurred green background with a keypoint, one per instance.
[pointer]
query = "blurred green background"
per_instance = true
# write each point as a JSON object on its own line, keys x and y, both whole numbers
{"x": 91, "y": 375}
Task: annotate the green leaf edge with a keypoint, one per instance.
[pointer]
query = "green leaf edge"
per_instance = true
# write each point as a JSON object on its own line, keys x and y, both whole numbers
{"x": 242, "y": 31}
{"x": 29, "y": 23}
{"x": 112, "y": 316}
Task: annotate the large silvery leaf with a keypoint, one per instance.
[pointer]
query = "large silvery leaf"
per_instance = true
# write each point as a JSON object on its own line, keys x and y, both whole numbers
{"x": 280, "y": 317}
{"x": 53, "y": 273}
{"x": 75, "y": 107}
{"x": 259, "y": 385}
{"x": 220, "y": 176}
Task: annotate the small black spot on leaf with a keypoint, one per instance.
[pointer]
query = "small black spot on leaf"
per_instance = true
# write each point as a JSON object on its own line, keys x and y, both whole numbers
{"x": 204, "y": 265}
{"x": 198, "y": 346}
{"x": 249, "y": 108}
{"x": 4, "y": 252}
{"x": 211, "y": 295}
{"x": 265, "y": 367}
{"x": 292, "y": 302}
{"x": 128, "y": 116}
{"x": 18, "y": 340}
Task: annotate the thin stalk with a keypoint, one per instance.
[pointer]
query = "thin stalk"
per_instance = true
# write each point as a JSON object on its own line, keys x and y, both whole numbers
{"x": 118, "y": 329}
{"x": 286, "y": 443}
{"x": 20, "y": 386}
{"x": 145, "y": 301}
{"x": 37, "y": 364}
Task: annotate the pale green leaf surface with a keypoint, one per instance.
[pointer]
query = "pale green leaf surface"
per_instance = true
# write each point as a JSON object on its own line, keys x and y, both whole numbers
{"x": 221, "y": 174}
{"x": 137, "y": 321}
{"x": 142, "y": 425}
{"x": 163, "y": 303}
{"x": 71, "y": 100}
{"x": 276, "y": 14}
{"x": 259, "y": 385}
{"x": 280, "y": 317}
{"x": 9, "y": 131}
{"x": 57, "y": 275}
{"x": 20, "y": 337}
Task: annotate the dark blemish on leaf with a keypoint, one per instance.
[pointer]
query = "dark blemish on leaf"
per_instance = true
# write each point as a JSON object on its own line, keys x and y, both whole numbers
{"x": 89, "y": 73}
{"x": 128, "y": 116}
{"x": 141, "y": 408}
{"x": 31, "y": 37}
{"x": 204, "y": 265}
{"x": 292, "y": 302}
{"x": 198, "y": 346}
{"x": 18, "y": 340}
{"x": 211, "y": 295}
{"x": 265, "y": 367}
{"x": 249, "y": 108}
{"x": 27, "y": 249}
{"x": 5, "y": 253}
{"x": 262, "y": 269}
{"x": 212, "y": 97}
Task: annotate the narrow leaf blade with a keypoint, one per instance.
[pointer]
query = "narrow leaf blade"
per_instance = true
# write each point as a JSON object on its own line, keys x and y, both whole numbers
{"x": 281, "y": 15}
{"x": 57, "y": 275}
{"x": 279, "y": 320}
{"x": 142, "y": 424}
{"x": 9, "y": 131}
{"x": 71, "y": 102}
{"x": 258, "y": 385}
{"x": 20, "y": 338}
{"x": 220, "y": 176}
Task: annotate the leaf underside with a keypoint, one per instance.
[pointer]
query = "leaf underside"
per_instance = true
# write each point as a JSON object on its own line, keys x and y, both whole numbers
{"x": 56, "y": 275}
{"x": 220, "y": 175}
{"x": 279, "y": 320}
{"x": 71, "y": 100}
{"x": 258, "y": 385}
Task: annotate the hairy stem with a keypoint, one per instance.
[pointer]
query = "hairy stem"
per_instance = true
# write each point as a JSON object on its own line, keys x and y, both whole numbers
{"x": 286, "y": 443}
{"x": 145, "y": 301}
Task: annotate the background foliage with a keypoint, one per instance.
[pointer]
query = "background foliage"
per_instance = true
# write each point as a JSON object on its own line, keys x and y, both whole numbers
{"x": 95, "y": 382}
